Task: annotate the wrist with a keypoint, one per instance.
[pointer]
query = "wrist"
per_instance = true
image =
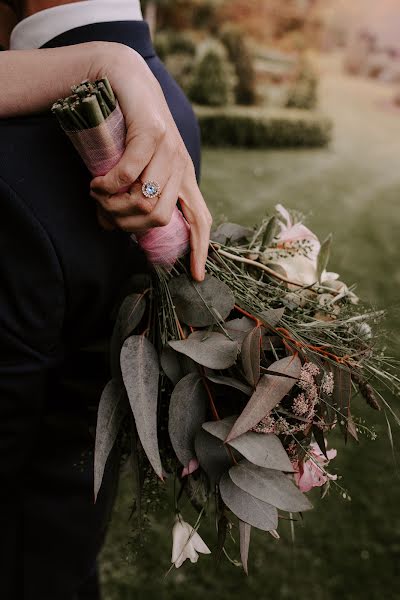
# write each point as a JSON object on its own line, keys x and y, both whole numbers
{"x": 112, "y": 60}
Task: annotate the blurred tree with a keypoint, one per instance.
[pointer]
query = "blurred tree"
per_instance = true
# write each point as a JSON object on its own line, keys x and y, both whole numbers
{"x": 177, "y": 50}
{"x": 304, "y": 92}
{"x": 233, "y": 39}
{"x": 181, "y": 14}
{"x": 213, "y": 79}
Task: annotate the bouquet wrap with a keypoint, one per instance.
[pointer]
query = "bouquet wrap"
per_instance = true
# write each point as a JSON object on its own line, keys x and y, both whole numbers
{"x": 101, "y": 147}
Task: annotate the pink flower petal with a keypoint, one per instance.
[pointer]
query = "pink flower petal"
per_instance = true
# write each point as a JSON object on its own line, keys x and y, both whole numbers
{"x": 191, "y": 467}
{"x": 285, "y": 214}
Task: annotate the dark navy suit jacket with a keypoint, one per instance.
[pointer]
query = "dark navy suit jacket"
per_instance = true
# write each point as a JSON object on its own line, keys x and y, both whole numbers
{"x": 60, "y": 276}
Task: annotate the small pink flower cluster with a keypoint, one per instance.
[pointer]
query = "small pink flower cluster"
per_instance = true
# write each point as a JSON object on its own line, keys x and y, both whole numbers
{"x": 327, "y": 384}
{"x": 279, "y": 426}
{"x": 304, "y": 404}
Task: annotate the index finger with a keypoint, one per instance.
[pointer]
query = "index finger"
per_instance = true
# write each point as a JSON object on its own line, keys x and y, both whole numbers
{"x": 198, "y": 216}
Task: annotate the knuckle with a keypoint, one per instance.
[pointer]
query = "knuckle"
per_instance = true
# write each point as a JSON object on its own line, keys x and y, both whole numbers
{"x": 160, "y": 219}
{"x": 127, "y": 174}
{"x": 182, "y": 154}
{"x": 121, "y": 223}
{"x": 143, "y": 206}
{"x": 106, "y": 204}
{"x": 159, "y": 129}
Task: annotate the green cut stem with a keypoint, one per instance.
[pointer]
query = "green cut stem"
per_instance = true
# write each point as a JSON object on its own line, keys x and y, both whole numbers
{"x": 92, "y": 111}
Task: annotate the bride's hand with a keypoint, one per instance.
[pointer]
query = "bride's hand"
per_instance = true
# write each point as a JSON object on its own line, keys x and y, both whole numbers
{"x": 154, "y": 152}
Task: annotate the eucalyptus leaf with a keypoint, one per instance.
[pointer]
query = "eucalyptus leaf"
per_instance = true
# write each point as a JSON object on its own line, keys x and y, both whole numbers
{"x": 269, "y": 232}
{"x": 231, "y": 232}
{"x": 130, "y": 314}
{"x": 270, "y": 390}
{"x": 140, "y": 371}
{"x": 323, "y": 256}
{"x": 265, "y": 450}
{"x": 259, "y": 514}
{"x": 244, "y": 533}
{"x": 213, "y": 456}
{"x": 250, "y": 356}
{"x": 239, "y": 328}
{"x": 229, "y": 381}
{"x": 113, "y": 407}
{"x": 176, "y": 366}
{"x": 272, "y": 316}
{"x": 187, "y": 411}
{"x": 201, "y": 304}
{"x": 213, "y": 350}
{"x": 352, "y": 428}
{"x": 269, "y": 485}
{"x": 319, "y": 438}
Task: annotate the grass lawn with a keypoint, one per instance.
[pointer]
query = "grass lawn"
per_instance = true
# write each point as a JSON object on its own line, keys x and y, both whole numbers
{"x": 343, "y": 549}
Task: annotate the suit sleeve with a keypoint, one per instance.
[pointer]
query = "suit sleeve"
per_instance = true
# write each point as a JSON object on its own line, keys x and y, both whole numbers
{"x": 31, "y": 316}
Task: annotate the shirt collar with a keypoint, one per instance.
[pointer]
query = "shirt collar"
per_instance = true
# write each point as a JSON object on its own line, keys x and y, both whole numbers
{"x": 38, "y": 29}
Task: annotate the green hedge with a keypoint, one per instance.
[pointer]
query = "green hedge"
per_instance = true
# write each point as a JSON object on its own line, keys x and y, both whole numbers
{"x": 256, "y": 127}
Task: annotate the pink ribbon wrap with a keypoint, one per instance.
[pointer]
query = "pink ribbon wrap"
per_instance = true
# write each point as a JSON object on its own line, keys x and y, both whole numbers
{"x": 101, "y": 148}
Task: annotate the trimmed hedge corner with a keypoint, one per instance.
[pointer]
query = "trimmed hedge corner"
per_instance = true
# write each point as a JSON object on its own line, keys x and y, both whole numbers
{"x": 256, "y": 127}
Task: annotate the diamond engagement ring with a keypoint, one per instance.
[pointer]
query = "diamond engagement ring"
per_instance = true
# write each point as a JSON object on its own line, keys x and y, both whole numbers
{"x": 151, "y": 189}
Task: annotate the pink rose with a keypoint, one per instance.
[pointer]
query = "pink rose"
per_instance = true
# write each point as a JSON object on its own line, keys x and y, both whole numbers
{"x": 311, "y": 473}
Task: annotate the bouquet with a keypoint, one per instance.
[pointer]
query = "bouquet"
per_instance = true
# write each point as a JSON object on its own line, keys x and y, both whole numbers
{"x": 232, "y": 386}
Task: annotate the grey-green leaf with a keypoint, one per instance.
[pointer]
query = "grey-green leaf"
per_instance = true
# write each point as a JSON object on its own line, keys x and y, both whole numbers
{"x": 262, "y": 449}
{"x": 259, "y": 514}
{"x": 140, "y": 372}
{"x": 213, "y": 456}
{"x": 229, "y": 381}
{"x": 113, "y": 407}
{"x": 187, "y": 411}
{"x": 269, "y": 485}
{"x": 201, "y": 304}
{"x": 269, "y": 392}
{"x": 130, "y": 314}
{"x": 244, "y": 533}
{"x": 250, "y": 356}
{"x": 272, "y": 316}
{"x": 323, "y": 256}
{"x": 213, "y": 350}
{"x": 239, "y": 328}
{"x": 269, "y": 232}
{"x": 176, "y": 366}
{"x": 231, "y": 232}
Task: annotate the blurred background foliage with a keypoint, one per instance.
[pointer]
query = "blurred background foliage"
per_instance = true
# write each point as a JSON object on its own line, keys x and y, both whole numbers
{"x": 299, "y": 103}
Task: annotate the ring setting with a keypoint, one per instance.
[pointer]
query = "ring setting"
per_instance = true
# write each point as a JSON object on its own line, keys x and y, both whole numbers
{"x": 151, "y": 189}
